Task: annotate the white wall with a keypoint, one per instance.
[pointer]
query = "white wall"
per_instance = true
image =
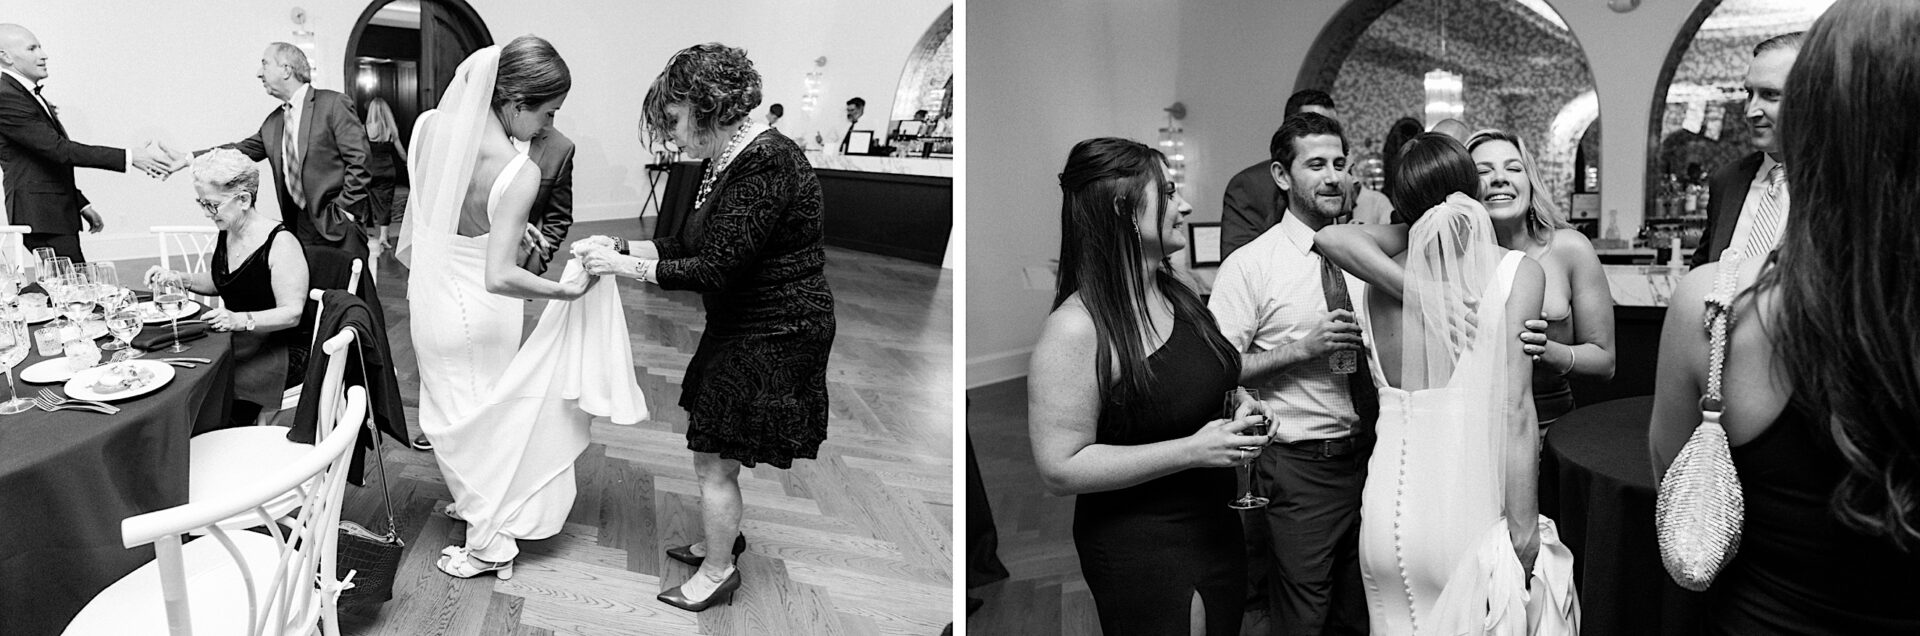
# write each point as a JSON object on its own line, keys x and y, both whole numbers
{"x": 1035, "y": 75}
{"x": 1042, "y": 76}
{"x": 183, "y": 71}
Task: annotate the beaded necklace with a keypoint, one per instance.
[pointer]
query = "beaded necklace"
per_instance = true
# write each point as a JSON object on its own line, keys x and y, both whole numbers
{"x": 739, "y": 139}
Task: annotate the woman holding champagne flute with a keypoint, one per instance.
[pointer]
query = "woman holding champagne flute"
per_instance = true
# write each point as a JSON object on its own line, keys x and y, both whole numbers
{"x": 1123, "y": 404}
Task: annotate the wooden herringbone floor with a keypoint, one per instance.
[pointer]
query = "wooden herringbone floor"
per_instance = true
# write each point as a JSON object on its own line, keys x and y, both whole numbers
{"x": 856, "y": 542}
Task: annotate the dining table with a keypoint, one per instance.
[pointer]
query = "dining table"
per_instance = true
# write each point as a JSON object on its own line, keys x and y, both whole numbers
{"x": 68, "y": 478}
{"x": 1596, "y": 483}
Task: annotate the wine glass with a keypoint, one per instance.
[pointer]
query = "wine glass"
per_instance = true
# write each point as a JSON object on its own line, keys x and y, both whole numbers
{"x": 76, "y": 298}
{"x": 172, "y": 300}
{"x": 124, "y": 325}
{"x": 9, "y": 292}
{"x": 1244, "y": 398}
{"x": 42, "y": 261}
{"x": 14, "y": 345}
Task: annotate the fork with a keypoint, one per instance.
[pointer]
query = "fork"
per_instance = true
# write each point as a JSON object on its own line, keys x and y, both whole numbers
{"x": 44, "y": 406}
{"x": 56, "y": 400}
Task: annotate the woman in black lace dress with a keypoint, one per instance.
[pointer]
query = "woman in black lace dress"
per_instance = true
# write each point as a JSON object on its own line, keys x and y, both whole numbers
{"x": 756, "y": 389}
{"x": 1822, "y": 402}
{"x": 1125, "y": 395}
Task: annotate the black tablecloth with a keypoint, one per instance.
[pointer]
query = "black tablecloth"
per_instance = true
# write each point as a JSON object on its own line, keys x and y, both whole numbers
{"x": 1596, "y": 482}
{"x": 67, "y": 479}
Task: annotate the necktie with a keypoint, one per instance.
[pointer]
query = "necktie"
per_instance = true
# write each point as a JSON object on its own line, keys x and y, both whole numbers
{"x": 289, "y": 155}
{"x": 1366, "y": 397}
{"x": 846, "y": 138}
{"x": 1771, "y": 217}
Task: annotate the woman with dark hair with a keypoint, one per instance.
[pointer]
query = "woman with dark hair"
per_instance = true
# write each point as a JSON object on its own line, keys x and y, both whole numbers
{"x": 1456, "y": 423}
{"x": 1573, "y": 334}
{"x": 506, "y": 420}
{"x": 1401, "y": 132}
{"x": 1125, "y": 395}
{"x": 756, "y": 389}
{"x": 1821, "y": 399}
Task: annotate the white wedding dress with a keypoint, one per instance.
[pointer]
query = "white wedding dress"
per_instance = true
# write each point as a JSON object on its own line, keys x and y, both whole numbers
{"x": 1435, "y": 553}
{"x": 507, "y": 420}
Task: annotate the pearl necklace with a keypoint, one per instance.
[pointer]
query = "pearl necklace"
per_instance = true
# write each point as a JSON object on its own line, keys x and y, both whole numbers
{"x": 734, "y": 144}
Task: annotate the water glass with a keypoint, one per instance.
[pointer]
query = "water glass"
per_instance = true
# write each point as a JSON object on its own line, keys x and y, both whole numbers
{"x": 13, "y": 348}
{"x": 124, "y": 325}
{"x": 42, "y": 261}
{"x": 55, "y": 271}
{"x": 81, "y": 354}
{"x": 47, "y": 340}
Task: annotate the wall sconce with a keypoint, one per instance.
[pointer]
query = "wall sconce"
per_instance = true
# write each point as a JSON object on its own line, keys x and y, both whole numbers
{"x": 1623, "y": 6}
{"x": 1445, "y": 97}
{"x": 369, "y": 83}
{"x": 816, "y": 82}
{"x": 303, "y": 38}
{"x": 1173, "y": 143}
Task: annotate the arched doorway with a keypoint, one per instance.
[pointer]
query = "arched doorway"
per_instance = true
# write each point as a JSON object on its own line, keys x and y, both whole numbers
{"x": 1698, "y": 119}
{"x": 1521, "y": 68}
{"x": 924, "y": 101}
{"x": 406, "y": 52}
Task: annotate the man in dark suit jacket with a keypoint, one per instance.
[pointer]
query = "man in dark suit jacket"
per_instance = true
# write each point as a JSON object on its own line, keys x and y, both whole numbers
{"x": 38, "y": 157}
{"x": 1727, "y": 190}
{"x": 321, "y": 198}
{"x": 552, "y": 212}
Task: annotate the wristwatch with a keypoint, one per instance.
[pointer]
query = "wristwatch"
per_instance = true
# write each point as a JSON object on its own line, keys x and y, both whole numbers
{"x": 620, "y": 245}
{"x": 250, "y": 323}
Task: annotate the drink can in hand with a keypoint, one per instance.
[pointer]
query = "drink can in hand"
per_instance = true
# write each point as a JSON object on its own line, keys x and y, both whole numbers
{"x": 1344, "y": 361}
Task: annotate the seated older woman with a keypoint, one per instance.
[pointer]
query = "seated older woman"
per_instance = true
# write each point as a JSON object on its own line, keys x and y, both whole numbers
{"x": 260, "y": 272}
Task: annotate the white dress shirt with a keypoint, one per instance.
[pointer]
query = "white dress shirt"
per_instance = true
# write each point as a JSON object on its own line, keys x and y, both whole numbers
{"x": 1268, "y": 294}
{"x": 1750, "y": 209}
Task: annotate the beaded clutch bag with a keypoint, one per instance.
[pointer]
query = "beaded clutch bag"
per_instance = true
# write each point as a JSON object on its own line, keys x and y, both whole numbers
{"x": 1700, "y": 508}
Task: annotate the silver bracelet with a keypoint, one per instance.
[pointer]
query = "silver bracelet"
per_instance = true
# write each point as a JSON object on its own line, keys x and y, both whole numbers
{"x": 1573, "y": 358}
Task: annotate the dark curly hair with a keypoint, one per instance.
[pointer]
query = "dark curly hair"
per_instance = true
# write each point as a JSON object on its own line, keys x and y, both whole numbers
{"x": 531, "y": 72}
{"x": 717, "y": 83}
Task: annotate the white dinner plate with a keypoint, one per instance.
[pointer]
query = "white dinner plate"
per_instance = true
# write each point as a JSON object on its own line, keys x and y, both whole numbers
{"x": 150, "y": 313}
{"x": 47, "y": 371}
{"x": 82, "y": 385}
{"x": 41, "y": 315}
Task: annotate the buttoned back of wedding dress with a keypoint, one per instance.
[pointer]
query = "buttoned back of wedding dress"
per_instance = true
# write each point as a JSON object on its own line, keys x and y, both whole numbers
{"x": 1434, "y": 550}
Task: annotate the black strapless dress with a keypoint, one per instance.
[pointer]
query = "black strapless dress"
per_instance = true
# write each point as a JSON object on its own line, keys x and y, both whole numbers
{"x": 1147, "y": 548}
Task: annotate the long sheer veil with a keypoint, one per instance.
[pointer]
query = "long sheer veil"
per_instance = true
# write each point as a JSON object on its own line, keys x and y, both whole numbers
{"x": 446, "y": 143}
{"x": 1453, "y": 322}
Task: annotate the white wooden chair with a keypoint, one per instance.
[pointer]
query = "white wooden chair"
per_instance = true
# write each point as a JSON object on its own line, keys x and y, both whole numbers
{"x": 13, "y": 246}
{"x": 239, "y": 582}
{"x": 291, "y": 398}
{"x": 223, "y": 461}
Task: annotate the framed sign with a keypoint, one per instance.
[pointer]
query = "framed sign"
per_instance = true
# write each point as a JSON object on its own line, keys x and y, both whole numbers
{"x": 859, "y": 142}
{"x": 1203, "y": 243}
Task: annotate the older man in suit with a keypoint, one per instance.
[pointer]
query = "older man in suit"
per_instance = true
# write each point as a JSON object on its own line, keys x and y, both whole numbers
{"x": 1748, "y": 200}
{"x": 318, "y": 150}
{"x": 38, "y": 157}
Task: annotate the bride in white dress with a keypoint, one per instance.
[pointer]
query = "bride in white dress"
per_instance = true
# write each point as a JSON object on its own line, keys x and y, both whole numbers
{"x": 1451, "y": 541}
{"x": 507, "y": 420}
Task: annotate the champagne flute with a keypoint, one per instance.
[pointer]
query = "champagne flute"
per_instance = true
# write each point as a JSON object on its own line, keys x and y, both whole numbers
{"x": 172, "y": 300}
{"x": 14, "y": 345}
{"x": 1238, "y": 398}
{"x": 124, "y": 325}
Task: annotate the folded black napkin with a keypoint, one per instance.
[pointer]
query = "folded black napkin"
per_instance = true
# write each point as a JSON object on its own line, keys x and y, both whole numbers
{"x": 160, "y": 336}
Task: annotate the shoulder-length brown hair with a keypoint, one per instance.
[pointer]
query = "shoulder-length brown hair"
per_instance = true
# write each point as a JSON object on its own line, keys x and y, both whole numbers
{"x": 717, "y": 83}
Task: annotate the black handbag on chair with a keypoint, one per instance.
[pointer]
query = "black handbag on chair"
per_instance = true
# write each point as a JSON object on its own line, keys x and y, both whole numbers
{"x": 373, "y": 559}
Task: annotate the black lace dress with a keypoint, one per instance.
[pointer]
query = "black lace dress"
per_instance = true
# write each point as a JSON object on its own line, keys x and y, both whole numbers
{"x": 267, "y": 362}
{"x": 756, "y": 389}
{"x": 1146, "y": 549}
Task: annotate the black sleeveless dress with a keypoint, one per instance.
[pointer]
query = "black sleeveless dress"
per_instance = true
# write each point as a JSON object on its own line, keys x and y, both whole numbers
{"x": 1798, "y": 570}
{"x": 266, "y": 362}
{"x": 1145, "y": 549}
